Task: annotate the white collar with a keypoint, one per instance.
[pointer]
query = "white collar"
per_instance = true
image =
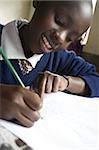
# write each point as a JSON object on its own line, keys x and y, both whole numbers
{"x": 94, "y": 4}
{"x": 11, "y": 44}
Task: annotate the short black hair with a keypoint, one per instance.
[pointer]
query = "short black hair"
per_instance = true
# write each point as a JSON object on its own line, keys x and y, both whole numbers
{"x": 36, "y": 2}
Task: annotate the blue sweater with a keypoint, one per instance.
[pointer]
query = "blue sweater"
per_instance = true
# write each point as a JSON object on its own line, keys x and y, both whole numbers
{"x": 62, "y": 63}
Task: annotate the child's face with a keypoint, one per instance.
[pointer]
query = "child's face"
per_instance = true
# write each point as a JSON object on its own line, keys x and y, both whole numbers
{"x": 56, "y": 25}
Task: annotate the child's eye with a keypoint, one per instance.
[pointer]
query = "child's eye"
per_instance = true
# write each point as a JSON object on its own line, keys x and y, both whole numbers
{"x": 59, "y": 21}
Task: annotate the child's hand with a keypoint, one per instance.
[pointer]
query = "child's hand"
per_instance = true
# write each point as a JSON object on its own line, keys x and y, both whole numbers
{"x": 19, "y": 103}
{"x": 50, "y": 82}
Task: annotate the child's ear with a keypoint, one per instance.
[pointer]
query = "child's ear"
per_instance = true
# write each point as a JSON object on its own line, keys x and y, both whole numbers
{"x": 35, "y": 3}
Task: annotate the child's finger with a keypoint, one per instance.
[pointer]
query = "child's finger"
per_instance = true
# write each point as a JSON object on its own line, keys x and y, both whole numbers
{"x": 56, "y": 84}
{"x": 29, "y": 113}
{"x": 42, "y": 83}
{"x": 49, "y": 83}
{"x": 32, "y": 99}
{"x": 24, "y": 120}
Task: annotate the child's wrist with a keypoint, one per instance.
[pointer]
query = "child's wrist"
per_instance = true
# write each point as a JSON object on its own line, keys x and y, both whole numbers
{"x": 75, "y": 85}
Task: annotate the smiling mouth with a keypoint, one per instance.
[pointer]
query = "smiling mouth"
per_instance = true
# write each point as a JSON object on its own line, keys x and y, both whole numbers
{"x": 45, "y": 45}
{"x": 50, "y": 41}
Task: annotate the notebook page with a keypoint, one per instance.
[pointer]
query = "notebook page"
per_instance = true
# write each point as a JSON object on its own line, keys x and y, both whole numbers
{"x": 69, "y": 123}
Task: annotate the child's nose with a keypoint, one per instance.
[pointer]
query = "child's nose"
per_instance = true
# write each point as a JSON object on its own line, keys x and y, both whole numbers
{"x": 63, "y": 35}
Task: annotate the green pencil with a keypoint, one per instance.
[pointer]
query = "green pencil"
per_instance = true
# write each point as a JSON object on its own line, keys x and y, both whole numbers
{"x": 11, "y": 68}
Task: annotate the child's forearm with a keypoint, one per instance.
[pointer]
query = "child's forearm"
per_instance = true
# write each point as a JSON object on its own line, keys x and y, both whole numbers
{"x": 77, "y": 85}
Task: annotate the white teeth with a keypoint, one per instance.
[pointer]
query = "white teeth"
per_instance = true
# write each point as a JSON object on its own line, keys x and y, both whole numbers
{"x": 46, "y": 42}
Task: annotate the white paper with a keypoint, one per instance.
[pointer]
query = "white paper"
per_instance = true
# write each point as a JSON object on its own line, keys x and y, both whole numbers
{"x": 69, "y": 123}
